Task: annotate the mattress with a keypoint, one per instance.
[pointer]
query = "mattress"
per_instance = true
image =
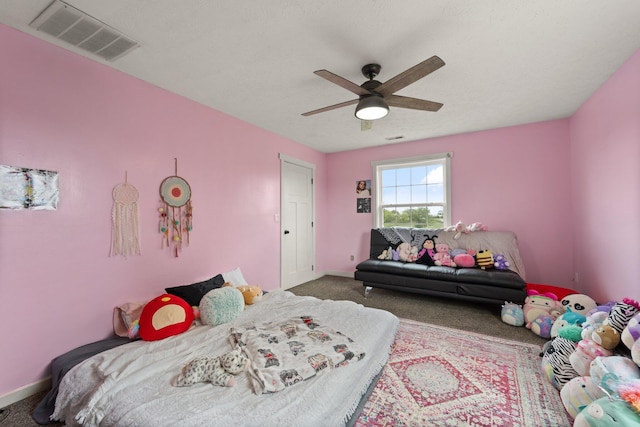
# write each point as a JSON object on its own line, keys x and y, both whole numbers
{"x": 131, "y": 385}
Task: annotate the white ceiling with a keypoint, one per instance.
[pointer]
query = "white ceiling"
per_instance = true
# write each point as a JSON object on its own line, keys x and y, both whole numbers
{"x": 508, "y": 62}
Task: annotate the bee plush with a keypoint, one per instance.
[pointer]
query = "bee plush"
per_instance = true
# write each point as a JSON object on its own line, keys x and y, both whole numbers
{"x": 484, "y": 259}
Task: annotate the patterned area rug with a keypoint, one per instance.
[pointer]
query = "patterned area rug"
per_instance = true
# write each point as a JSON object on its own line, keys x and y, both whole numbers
{"x": 439, "y": 376}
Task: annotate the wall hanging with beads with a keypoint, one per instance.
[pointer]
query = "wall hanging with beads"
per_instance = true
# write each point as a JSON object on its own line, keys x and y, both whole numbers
{"x": 125, "y": 231}
{"x": 176, "y": 212}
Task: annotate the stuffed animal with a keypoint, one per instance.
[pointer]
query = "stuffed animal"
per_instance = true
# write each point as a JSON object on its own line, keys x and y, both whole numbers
{"x": 606, "y": 307}
{"x": 251, "y": 294}
{"x": 402, "y": 252}
{"x": 606, "y": 336}
{"x": 631, "y": 333}
{"x": 555, "y": 362}
{"x": 635, "y": 352}
{"x": 621, "y": 313}
{"x": 387, "y": 254}
{"x": 578, "y": 393}
{"x": 164, "y": 316}
{"x": 442, "y": 256}
{"x": 459, "y": 228}
{"x": 541, "y": 325}
{"x": 477, "y": 226}
{"x": 606, "y": 412}
{"x": 571, "y": 332}
{"x": 609, "y": 372}
{"x": 585, "y": 353}
{"x": 413, "y": 254}
{"x": 568, "y": 318}
{"x": 629, "y": 391}
{"x": 512, "y": 314}
{"x": 484, "y": 259}
{"x": 463, "y": 258}
{"x": 593, "y": 322}
{"x": 500, "y": 262}
{"x": 216, "y": 370}
{"x": 428, "y": 251}
{"x": 578, "y": 303}
{"x": 536, "y": 304}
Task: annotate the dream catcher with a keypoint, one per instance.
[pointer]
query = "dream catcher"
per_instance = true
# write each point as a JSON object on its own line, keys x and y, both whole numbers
{"x": 125, "y": 235}
{"x": 176, "y": 213}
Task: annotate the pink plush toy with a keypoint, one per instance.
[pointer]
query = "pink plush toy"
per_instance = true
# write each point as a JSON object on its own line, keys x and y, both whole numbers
{"x": 585, "y": 353}
{"x": 442, "y": 256}
{"x": 463, "y": 258}
{"x": 477, "y": 226}
{"x": 536, "y": 305}
{"x": 403, "y": 252}
{"x": 459, "y": 228}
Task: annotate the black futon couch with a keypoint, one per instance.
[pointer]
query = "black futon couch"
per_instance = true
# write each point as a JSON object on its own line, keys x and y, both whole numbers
{"x": 488, "y": 285}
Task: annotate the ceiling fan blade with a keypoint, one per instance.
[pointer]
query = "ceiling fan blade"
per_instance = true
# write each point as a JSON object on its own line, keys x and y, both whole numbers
{"x": 366, "y": 124}
{"x": 412, "y": 103}
{"x": 409, "y": 76}
{"x": 331, "y": 107}
{"x": 342, "y": 82}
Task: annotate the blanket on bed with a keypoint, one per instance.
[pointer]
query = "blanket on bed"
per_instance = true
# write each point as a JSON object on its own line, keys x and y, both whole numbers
{"x": 131, "y": 386}
{"x": 289, "y": 351}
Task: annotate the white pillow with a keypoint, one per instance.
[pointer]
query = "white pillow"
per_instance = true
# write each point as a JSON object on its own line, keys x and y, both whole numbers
{"x": 234, "y": 277}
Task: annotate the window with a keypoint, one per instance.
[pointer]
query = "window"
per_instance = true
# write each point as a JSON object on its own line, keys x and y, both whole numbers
{"x": 413, "y": 192}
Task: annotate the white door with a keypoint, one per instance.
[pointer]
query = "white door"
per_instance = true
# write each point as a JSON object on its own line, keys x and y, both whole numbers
{"x": 297, "y": 237}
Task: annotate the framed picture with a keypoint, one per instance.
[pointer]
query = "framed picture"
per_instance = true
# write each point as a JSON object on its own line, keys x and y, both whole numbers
{"x": 24, "y": 188}
{"x": 363, "y": 188}
{"x": 363, "y": 205}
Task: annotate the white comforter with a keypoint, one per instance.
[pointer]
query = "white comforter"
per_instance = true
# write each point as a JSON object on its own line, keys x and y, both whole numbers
{"x": 130, "y": 385}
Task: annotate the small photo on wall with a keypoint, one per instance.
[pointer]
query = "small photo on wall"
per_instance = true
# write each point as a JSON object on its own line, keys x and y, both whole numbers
{"x": 363, "y": 188}
{"x": 363, "y": 205}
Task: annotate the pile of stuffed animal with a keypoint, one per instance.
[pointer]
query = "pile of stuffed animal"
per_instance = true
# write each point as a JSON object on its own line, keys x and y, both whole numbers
{"x": 593, "y": 356}
{"x": 432, "y": 253}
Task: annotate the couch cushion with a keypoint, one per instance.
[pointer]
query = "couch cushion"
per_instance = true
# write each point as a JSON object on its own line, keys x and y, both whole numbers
{"x": 496, "y": 278}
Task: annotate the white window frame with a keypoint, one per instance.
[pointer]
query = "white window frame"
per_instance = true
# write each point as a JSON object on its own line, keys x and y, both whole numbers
{"x": 381, "y": 165}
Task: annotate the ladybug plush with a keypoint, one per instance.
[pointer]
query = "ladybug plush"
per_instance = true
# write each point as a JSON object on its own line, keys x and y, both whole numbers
{"x": 164, "y": 316}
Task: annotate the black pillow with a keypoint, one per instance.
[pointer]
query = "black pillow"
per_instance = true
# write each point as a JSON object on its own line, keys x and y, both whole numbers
{"x": 193, "y": 293}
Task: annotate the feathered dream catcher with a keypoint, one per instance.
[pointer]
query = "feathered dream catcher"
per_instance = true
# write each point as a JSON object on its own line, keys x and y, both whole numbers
{"x": 125, "y": 235}
{"x": 176, "y": 212}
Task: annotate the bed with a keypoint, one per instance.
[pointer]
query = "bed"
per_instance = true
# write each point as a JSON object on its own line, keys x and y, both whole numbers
{"x": 131, "y": 385}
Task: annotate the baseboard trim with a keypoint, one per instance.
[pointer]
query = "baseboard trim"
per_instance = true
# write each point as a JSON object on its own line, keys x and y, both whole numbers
{"x": 25, "y": 391}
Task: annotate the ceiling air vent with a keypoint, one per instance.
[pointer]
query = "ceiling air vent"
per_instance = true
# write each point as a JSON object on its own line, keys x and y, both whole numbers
{"x": 75, "y": 27}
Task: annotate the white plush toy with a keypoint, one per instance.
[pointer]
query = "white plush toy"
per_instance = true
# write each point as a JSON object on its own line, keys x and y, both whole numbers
{"x": 216, "y": 370}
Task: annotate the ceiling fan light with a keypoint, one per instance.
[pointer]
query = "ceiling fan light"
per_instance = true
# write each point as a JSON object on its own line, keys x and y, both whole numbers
{"x": 372, "y": 107}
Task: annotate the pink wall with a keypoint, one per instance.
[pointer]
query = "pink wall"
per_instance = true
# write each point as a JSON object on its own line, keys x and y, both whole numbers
{"x": 605, "y": 157}
{"x": 62, "y": 112}
{"x": 514, "y": 178}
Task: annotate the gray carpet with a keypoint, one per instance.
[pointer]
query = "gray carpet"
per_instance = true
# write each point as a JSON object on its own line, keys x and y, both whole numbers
{"x": 480, "y": 318}
{"x": 468, "y": 316}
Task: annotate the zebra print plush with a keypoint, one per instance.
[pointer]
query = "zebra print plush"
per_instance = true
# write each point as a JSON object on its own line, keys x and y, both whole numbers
{"x": 555, "y": 361}
{"x": 621, "y": 313}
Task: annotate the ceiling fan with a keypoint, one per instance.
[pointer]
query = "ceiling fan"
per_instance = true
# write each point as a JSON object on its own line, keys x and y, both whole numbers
{"x": 375, "y": 98}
